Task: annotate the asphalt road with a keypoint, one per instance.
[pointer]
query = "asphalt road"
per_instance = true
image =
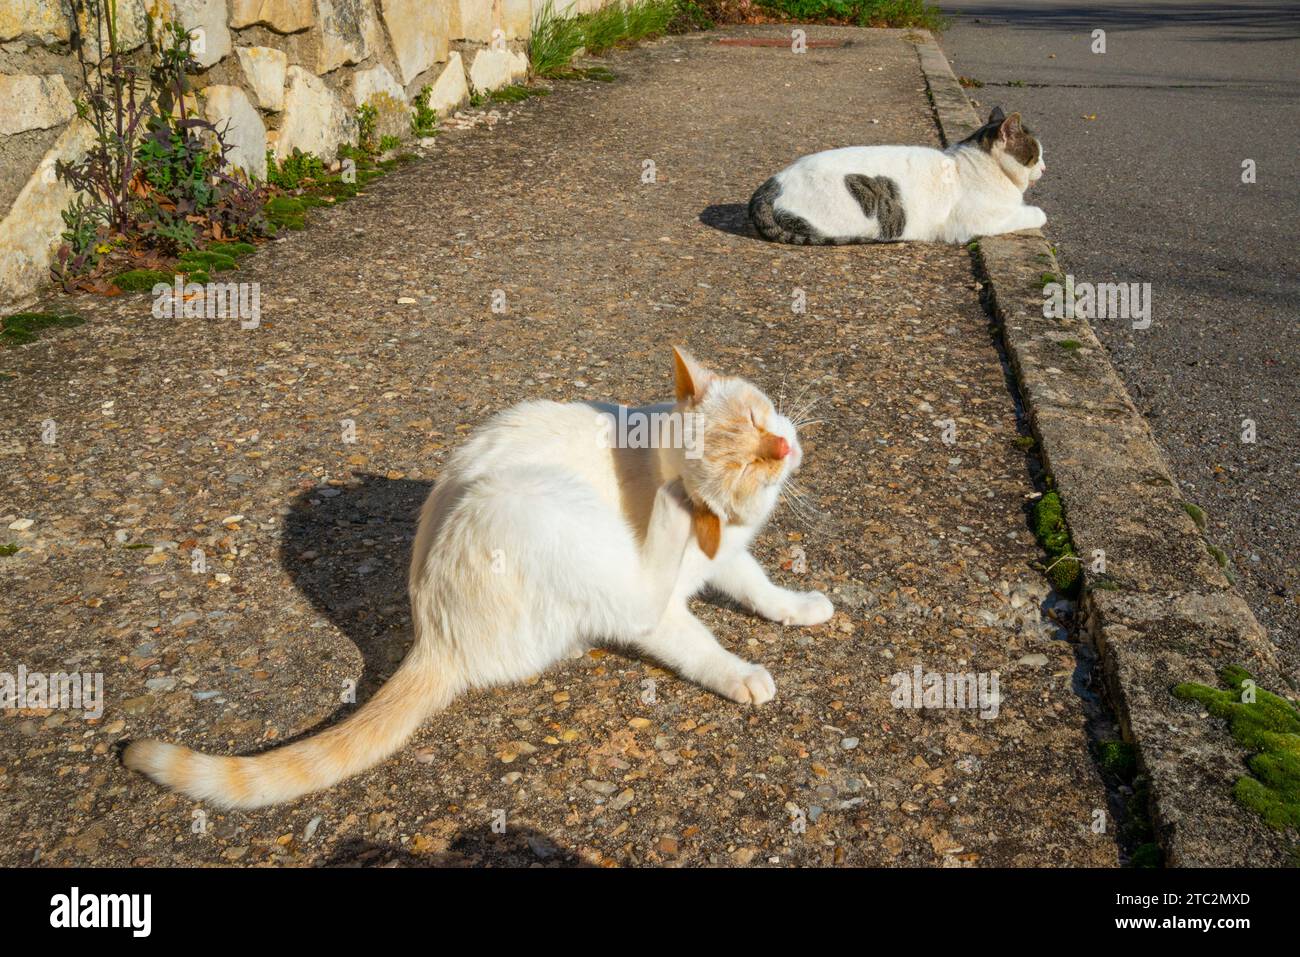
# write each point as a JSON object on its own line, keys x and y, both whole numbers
{"x": 1144, "y": 146}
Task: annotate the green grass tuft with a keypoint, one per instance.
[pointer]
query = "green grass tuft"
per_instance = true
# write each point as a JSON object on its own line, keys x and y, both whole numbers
{"x": 556, "y": 39}
{"x": 863, "y": 13}
{"x": 553, "y": 42}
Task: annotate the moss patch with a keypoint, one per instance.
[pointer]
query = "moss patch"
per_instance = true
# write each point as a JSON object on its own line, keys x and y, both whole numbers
{"x": 1118, "y": 758}
{"x": 207, "y": 261}
{"x": 286, "y": 212}
{"x": 24, "y": 327}
{"x": 1197, "y": 514}
{"x": 1054, "y": 535}
{"x": 233, "y": 249}
{"x": 140, "y": 280}
{"x": 1269, "y": 728}
{"x": 9, "y": 549}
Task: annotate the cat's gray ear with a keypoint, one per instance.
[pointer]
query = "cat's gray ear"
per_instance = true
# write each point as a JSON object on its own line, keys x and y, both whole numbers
{"x": 692, "y": 379}
{"x": 997, "y": 116}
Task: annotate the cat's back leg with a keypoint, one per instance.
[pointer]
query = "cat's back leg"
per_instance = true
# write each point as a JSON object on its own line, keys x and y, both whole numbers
{"x": 528, "y": 565}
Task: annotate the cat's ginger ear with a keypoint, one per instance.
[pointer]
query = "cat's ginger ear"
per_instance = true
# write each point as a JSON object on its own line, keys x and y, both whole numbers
{"x": 692, "y": 379}
{"x": 1010, "y": 126}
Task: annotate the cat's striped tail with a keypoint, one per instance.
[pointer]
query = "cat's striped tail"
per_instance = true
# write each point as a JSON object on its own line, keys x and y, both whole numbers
{"x": 381, "y": 726}
{"x": 777, "y": 226}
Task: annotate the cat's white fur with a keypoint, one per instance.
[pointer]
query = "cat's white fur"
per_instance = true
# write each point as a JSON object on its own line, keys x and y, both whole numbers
{"x": 950, "y": 195}
{"x": 538, "y": 542}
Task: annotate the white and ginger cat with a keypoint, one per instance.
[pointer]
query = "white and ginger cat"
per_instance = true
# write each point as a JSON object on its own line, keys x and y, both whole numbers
{"x": 541, "y": 539}
{"x": 865, "y": 194}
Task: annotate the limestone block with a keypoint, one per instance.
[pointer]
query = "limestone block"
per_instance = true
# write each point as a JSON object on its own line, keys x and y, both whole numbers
{"x": 240, "y": 125}
{"x": 450, "y": 89}
{"x": 349, "y": 30}
{"x": 33, "y": 103}
{"x": 43, "y": 20}
{"x": 315, "y": 120}
{"x": 206, "y": 21}
{"x": 418, "y": 31}
{"x": 264, "y": 68}
{"x": 493, "y": 69}
{"x": 516, "y": 18}
{"x": 30, "y": 232}
{"x": 368, "y": 83}
{"x": 282, "y": 16}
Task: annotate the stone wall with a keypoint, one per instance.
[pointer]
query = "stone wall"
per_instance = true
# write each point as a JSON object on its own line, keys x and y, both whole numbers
{"x": 283, "y": 73}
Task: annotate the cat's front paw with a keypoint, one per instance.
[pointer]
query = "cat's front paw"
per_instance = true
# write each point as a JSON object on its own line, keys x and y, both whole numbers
{"x": 749, "y": 684}
{"x": 802, "y": 608}
{"x": 1035, "y": 217}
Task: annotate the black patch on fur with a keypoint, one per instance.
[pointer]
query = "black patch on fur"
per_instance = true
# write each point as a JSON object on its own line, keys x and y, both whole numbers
{"x": 777, "y": 225}
{"x": 1021, "y": 144}
{"x": 878, "y": 197}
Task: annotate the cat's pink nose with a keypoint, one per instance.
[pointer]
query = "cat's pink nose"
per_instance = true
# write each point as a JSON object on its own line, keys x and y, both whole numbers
{"x": 775, "y": 447}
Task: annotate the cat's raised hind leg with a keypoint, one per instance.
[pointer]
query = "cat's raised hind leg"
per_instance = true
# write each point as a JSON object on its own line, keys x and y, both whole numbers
{"x": 741, "y": 577}
{"x": 667, "y": 535}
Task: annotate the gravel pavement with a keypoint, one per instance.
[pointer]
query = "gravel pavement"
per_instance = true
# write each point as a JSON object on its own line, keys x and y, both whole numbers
{"x": 176, "y": 435}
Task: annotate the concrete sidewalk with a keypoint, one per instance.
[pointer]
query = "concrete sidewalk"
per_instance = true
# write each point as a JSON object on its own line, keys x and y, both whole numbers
{"x": 186, "y": 434}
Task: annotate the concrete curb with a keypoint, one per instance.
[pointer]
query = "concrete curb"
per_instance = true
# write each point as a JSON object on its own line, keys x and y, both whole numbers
{"x": 1163, "y": 612}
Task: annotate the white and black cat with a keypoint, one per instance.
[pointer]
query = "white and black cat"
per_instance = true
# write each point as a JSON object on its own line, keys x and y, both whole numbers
{"x": 864, "y": 194}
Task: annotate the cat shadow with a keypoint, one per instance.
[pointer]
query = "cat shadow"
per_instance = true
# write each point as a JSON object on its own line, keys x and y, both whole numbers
{"x": 730, "y": 218}
{"x": 347, "y": 549}
{"x": 471, "y": 847}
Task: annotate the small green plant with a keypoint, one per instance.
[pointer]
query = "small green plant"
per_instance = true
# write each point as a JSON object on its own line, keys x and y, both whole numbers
{"x": 367, "y": 128}
{"x": 1118, "y": 758}
{"x": 1054, "y": 535}
{"x": 388, "y": 142}
{"x": 690, "y": 15}
{"x": 424, "y": 118}
{"x": 516, "y": 93}
{"x": 295, "y": 171}
{"x": 9, "y": 549}
{"x": 155, "y": 175}
{"x": 1268, "y": 727}
{"x": 1070, "y": 345}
